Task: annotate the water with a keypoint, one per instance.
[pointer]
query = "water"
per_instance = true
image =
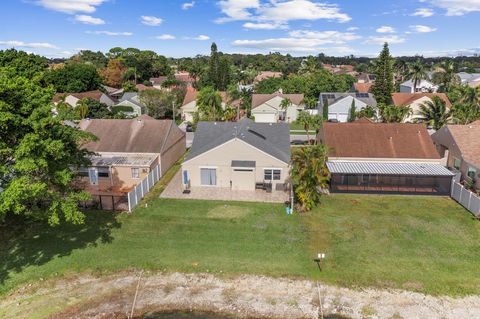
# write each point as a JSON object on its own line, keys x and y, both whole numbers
{"x": 184, "y": 315}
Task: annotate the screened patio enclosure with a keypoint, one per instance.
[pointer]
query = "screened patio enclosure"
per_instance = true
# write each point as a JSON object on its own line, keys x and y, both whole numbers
{"x": 395, "y": 178}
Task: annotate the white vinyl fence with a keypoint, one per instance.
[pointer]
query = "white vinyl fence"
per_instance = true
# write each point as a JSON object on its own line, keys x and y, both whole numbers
{"x": 139, "y": 191}
{"x": 466, "y": 198}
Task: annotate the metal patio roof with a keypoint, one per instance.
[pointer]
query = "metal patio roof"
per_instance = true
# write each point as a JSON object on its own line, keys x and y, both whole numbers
{"x": 406, "y": 169}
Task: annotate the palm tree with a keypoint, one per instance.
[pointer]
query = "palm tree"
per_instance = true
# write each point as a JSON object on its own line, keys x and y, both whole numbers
{"x": 471, "y": 96}
{"x": 435, "y": 113}
{"x": 464, "y": 114}
{"x": 310, "y": 175}
{"x": 82, "y": 109}
{"x": 309, "y": 122}
{"x": 209, "y": 104}
{"x": 417, "y": 72}
{"x": 394, "y": 114}
{"x": 284, "y": 106}
{"x": 446, "y": 75}
{"x": 401, "y": 68}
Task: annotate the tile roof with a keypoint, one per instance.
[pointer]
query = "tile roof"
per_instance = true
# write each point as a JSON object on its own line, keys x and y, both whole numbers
{"x": 267, "y": 74}
{"x": 467, "y": 138}
{"x": 273, "y": 139}
{"x": 378, "y": 140}
{"x": 191, "y": 95}
{"x": 96, "y": 95}
{"x": 401, "y": 99}
{"x": 362, "y": 87}
{"x": 259, "y": 99}
{"x": 140, "y": 135}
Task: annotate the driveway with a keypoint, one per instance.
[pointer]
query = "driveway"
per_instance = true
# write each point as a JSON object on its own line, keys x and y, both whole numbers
{"x": 175, "y": 190}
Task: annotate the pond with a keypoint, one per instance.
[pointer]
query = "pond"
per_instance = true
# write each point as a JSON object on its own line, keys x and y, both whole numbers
{"x": 184, "y": 315}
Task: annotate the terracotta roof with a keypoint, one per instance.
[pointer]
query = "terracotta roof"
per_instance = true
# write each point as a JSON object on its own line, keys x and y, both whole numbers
{"x": 192, "y": 93}
{"x": 267, "y": 74}
{"x": 141, "y": 135}
{"x": 400, "y": 99}
{"x": 142, "y": 87}
{"x": 182, "y": 77}
{"x": 96, "y": 95}
{"x": 378, "y": 140}
{"x": 258, "y": 99}
{"x": 467, "y": 139}
{"x": 362, "y": 87}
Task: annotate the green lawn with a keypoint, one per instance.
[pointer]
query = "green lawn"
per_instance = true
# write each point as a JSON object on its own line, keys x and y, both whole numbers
{"x": 419, "y": 243}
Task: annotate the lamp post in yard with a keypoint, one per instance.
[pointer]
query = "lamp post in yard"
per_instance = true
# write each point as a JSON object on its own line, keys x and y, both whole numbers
{"x": 318, "y": 260}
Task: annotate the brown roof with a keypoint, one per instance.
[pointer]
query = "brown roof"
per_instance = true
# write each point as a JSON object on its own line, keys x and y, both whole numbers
{"x": 143, "y": 87}
{"x": 362, "y": 87}
{"x": 96, "y": 95}
{"x": 192, "y": 93}
{"x": 267, "y": 74}
{"x": 258, "y": 99}
{"x": 378, "y": 140}
{"x": 140, "y": 135}
{"x": 467, "y": 138}
{"x": 401, "y": 99}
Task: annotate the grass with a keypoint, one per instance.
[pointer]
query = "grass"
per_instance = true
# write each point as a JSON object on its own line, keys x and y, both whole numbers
{"x": 426, "y": 244}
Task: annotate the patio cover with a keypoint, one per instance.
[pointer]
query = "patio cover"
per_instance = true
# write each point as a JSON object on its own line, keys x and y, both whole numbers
{"x": 377, "y": 168}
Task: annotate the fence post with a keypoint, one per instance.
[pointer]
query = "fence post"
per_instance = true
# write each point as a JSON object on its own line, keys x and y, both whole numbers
{"x": 129, "y": 203}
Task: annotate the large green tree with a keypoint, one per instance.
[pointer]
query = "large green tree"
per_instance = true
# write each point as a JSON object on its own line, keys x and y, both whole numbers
{"x": 435, "y": 113}
{"x": 209, "y": 104}
{"x": 383, "y": 87}
{"x": 416, "y": 73}
{"x": 22, "y": 63}
{"x": 74, "y": 77}
{"x": 37, "y": 154}
{"x": 391, "y": 113}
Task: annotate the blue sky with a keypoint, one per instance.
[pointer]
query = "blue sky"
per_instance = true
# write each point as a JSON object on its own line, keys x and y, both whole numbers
{"x": 58, "y": 28}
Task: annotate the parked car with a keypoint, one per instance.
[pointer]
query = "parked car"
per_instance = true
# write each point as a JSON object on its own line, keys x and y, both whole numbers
{"x": 189, "y": 128}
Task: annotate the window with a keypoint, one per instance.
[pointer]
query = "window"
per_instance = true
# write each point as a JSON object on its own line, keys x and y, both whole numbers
{"x": 457, "y": 163}
{"x": 135, "y": 172}
{"x": 93, "y": 176}
{"x": 472, "y": 172}
{"x": 208, "y": 176}
{"x": 103, "y": 172}
{"x": 272, "y": 174}
{"x": 82, "y": 172}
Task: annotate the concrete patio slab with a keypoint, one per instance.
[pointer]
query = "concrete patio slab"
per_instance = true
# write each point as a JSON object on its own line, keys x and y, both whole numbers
{"x": 175, "y": 190}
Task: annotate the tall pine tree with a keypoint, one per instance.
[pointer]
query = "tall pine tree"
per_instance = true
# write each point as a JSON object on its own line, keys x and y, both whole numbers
{"x": 383, "y": 87}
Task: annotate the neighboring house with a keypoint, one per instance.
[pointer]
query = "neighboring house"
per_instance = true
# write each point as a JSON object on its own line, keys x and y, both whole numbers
{"x": 266, "y": 108}
{"x": 366, "y": 157}
{"x": 423, "y": 86}
{"x": 73, "y": 98}
{"x": 126, "y": 151}
{"x": 470, "y": 79}
{"x": 239, "y": 156}
{"x": 340, "y": 69}
{"x": 130, "y": 105}
{"x": 189, "y": 106}
{"x": 459, "y": 145}
{"x": 366, "y": 78}
{"x": 339, "y": 104}
{"x": 181, "y": 76}
{"x": 414, "y": 101}
{"x": 263, "y": 75}
{"x": 362, "y": 87}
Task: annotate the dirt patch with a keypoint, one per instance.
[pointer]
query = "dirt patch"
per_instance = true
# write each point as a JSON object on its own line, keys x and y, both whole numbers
{"x": 228, "y": 212}
{"x": 242, "y": 297}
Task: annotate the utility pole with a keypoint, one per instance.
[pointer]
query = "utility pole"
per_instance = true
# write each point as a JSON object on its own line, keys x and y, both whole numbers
{"x": 173, "y": 107}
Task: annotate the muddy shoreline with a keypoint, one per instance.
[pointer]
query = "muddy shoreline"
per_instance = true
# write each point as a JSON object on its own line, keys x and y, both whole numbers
{"x": 244, "y": 296}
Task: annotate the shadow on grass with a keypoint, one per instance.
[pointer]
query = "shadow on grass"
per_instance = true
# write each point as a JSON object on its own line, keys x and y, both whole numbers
{"x": 23, "y": 244}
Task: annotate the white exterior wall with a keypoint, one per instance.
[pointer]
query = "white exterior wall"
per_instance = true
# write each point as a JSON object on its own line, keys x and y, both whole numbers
{"x": 272, "y": 106}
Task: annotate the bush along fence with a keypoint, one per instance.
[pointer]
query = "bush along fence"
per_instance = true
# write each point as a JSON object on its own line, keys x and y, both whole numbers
{"x": 139, "y": 191}
{"x": 465, "y": 197}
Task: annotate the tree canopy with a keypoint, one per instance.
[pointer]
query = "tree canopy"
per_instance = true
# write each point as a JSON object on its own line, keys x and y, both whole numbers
{"x": 74, "y": 77}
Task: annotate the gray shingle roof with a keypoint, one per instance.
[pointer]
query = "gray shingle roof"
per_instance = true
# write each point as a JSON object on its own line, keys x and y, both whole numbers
{"x": 273, "y": 139}
{"x": 333, "y": 97}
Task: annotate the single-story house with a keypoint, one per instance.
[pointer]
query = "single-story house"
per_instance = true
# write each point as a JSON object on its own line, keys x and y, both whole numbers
{"x": 459, "y": 145}
{"x": 130, "y": 105}
{"x": 266, "y": 108}
{"x": 263, "y": 75}
{"x": 189, "y": 106}
{"x": 424, "y": 86}
{"x": 339, "y": 104}
{"x": 470, "y": 79}
{"x": 126, "y": 151}
{"x": 73, "y": 98}
{"x": 239, "y": 156}
{"x": 366, "y": 78}
{"x": 414, "y": 101}
{"x": 367, "y": 157}
{"x": 362, "y": 87}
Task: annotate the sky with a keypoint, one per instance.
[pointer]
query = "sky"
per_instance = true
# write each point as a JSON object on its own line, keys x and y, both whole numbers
{"x": 185, "y": 28}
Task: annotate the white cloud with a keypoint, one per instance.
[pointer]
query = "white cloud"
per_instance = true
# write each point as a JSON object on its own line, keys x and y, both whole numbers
{"x": 277, "y": 12}
{"x": 165, "y": 37}
{"x": 264, "y": 26}
{"x": 456, "y": 7}
{"x": 188, "y": 5}
{"x": 71, "y": 6}
{"x": 110, "y": 33}
{"x": 423, "y": 12}
{"x": 390, "y": 39}
{"x": 303, "y": 41}
{"x": 385, "y": 29}
{"x": 151, "y": 20}
{"x": 32, "y": 45}
{"x": 422, "y": 29}
{"x": 201, "y": 38}
{"x": 353, "y": 29}
{"x": 89, "y": 19}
